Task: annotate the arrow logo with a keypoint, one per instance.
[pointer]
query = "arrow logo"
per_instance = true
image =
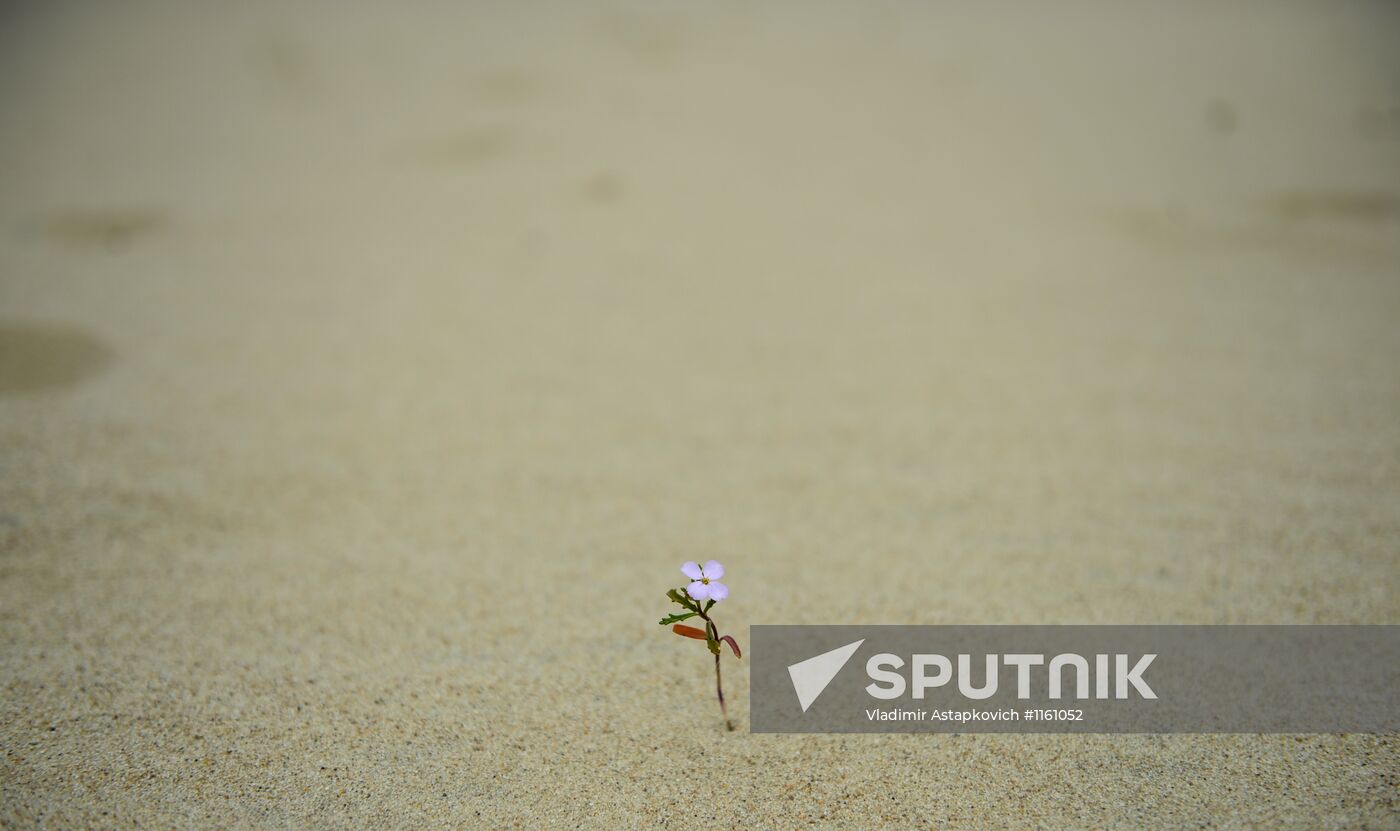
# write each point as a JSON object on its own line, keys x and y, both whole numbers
{"x": 811, "y": 676}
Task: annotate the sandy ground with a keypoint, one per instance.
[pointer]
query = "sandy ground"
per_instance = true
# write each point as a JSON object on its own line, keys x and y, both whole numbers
{"x": 366, "y": 374}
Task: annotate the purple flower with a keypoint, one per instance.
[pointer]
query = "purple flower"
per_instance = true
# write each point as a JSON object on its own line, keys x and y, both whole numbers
{"x": 705, "y": 585}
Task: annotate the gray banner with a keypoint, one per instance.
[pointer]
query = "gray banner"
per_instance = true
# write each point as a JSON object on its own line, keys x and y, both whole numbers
{"x": 1075, "y": 679}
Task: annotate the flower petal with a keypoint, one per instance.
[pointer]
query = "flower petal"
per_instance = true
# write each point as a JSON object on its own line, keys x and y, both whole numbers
{"x": 691, "y": 570}
{"x": 718, "y": 591}
{"x": 713, "y": 570}
{"x": 698, "y": 590}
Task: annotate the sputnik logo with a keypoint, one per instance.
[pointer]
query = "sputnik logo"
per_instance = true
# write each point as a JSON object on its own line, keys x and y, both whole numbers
{"x": 811, "y": 676}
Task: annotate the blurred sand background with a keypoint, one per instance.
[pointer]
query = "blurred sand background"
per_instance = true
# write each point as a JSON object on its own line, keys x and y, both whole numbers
{"x": 367, "y": 370}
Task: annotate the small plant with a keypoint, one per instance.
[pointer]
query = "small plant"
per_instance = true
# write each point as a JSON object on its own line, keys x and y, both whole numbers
{"x": 698, "y": 598}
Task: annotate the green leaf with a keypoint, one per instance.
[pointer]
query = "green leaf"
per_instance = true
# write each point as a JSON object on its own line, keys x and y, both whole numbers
{"x": 708, "y": 605}
{"x": 679, "y": 596}
{"x": 677, "y": 618}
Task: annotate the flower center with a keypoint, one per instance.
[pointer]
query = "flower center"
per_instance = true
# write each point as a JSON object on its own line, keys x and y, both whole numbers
{"x": 705, "y": 580}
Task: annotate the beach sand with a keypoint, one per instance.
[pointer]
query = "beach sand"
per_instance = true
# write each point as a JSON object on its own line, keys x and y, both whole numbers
{"x": 368, "y": 370}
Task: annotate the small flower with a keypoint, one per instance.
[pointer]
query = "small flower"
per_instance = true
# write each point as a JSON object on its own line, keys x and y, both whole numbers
{"x": 695, "y": 601}
{"x": 705, "y": 585}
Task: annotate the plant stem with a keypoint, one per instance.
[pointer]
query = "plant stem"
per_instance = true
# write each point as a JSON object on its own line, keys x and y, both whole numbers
{"x": 713, "y": 632}
{"x": 719, "y": 690}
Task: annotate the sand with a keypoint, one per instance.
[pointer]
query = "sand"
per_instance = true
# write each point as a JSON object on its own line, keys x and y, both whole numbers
{"x": 366, "y": 373}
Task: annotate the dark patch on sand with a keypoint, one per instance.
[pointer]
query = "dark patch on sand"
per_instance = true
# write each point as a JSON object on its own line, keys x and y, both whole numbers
{"x": 504, "y": 88}
{"x": 1177, "y": 232}
{"x": 284, "y": 62}
{"x": 106, "y": 229}
{"x": 470, "y": 147}
{"x": 1379, "y": 123}
{"x": 1338, "y": 205}
{"x": 650, "y": 41}
{"x": 42, "y": 356}
{"x": 1220, "y": 117}
{"x": 604, "y": 188}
